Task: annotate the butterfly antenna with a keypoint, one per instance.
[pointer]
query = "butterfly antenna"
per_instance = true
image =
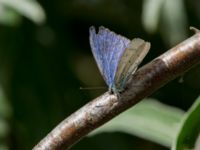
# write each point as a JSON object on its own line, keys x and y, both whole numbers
{"x": 92, "y": 88}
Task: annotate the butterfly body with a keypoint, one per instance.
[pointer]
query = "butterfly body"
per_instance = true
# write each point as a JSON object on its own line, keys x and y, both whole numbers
{"x": 117, "y": 57}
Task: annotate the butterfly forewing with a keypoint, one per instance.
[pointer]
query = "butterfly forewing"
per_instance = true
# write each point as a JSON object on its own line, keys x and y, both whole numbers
{"x": 132, "y": 57}
{"x": 107, "y": 48}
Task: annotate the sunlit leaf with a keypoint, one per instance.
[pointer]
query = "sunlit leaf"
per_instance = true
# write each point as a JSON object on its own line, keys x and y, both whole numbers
{"x": 28, "y": 8}
{"x": 167, "y": 17}
{"x": 151, "y": 14}
{"x": 175, "y": 21}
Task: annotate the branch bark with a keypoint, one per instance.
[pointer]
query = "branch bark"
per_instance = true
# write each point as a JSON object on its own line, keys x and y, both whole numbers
{"x": 144, "y": 82}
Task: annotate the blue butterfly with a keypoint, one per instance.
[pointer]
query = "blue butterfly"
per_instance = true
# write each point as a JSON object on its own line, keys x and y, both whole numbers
{"x": 116, "y": 56}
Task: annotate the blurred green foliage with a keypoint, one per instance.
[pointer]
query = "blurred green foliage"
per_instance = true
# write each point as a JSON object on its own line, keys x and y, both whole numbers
{"x": 149, "y": 120}
{"x": 45, "y": 58}
{"x": 189, "y": 132}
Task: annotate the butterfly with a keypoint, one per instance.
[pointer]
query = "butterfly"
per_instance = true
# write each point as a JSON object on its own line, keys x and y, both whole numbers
{"x": 116, "y": 56}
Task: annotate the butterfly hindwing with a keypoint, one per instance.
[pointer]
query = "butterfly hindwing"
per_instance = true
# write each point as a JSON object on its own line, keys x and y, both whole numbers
{"x": 131, "y": 58}
{"x": 142, "y": 51}
{"x": 107, "y": 48}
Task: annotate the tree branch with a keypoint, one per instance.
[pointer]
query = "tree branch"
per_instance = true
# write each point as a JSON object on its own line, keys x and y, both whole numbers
{"x": 143, "y": 83}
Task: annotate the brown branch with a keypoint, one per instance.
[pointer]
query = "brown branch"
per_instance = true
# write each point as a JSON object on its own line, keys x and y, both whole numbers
{"x": 143, "y": 83}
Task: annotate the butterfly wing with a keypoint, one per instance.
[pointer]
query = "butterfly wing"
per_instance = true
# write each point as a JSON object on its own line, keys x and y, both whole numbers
{"x": 132, "y": 57}
{"x": 107, "y": 48}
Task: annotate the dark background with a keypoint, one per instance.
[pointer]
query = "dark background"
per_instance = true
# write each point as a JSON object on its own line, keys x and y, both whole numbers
{"x": 43, "y": 66}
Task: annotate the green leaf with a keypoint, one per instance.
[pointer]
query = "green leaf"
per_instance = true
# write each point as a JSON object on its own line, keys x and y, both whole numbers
{"x": 175, "y": 21}
{"x": 8, "y": 16}
{"x": 151, "y": 14}
{"x": 5, "y": 114}
{"x": 28, "y": 8}
{"x": 149, "y": 119}
{"x": 189, "y": 129}
{"x": 159, "y": 15}
{"x": 5, "y": 108}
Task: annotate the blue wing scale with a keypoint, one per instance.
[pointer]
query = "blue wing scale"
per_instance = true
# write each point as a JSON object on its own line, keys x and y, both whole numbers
{"x": 107, "y": 48}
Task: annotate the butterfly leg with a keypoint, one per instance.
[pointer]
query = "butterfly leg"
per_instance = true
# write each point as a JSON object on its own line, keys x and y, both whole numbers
{"x": 115, "y": 91}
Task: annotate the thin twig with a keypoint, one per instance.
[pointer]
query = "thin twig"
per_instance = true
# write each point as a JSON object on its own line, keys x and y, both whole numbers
{"x": 143, "y": 83}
